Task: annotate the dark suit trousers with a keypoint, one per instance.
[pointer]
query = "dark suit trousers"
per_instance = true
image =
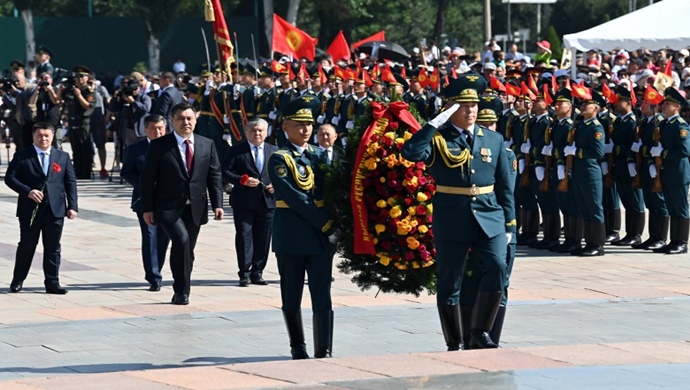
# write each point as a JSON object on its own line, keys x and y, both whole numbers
{"x": 50, "y": 229}
{"x": 318, "y": 268}
{"x": 154, "y": 246}
{"x": 252, "y": 240}
{"x": 183, "y": 234}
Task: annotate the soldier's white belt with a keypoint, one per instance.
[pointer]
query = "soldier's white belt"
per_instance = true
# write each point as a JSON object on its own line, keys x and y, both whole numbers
{"x": 468, "y": 191}
{"x": 282, "y": 205}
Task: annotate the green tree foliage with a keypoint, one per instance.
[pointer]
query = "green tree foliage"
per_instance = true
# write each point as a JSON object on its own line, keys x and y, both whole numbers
{"x": 573, "y": 16}
{"x": 556, "y": 47}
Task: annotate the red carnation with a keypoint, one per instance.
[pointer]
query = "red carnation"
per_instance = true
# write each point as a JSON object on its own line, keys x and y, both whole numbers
{"x": 411, "y": 189}
{"x": 56, "y": 168}
{"x": 409, "y": 175}
{"x": 421, "y": 210}
{"x": 408, "y": 202}
{"x": 396, "y": 257}
{"x": 387, "y": 141}
{"x": 421, "y": 248}
{"x": 392, "y": 183}
{"x": 381, "y": 153}
{"x": 420, "y": 165}
{"x": 244, "y": 179}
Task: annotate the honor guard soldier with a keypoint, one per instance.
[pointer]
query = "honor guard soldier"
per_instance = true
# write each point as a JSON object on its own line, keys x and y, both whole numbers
{"x": 284, "y": 97}
{"x": 587, "y": 149}
{"x": 302, "y": 229}
{"x": 335, "y": 86}
{"x": 565, "y": 198}
{"x": 214, "y": 122}
{"x": 624, "y": 169}
{"x": 489, "y": 108}
{"x": 252, "y": 91}
{"x": 506, "y": 116}
{"x": 523, "y": 195}
{"x": 673, "y": 149}
{"x": 470, "y": 166}
{"x": 659, "y": 219}
{"x": 415, "y": 96}
{"x": 612, "y": 208}
{"x": 43, "y": 57}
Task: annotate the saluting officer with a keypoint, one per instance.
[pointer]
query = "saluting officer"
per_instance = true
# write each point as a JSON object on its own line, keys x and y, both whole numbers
{"x": 474, "y": 205}
{"x": 302, "y": 229}
{"x": 674, "y": 150}
{"x": 587, "y": 179}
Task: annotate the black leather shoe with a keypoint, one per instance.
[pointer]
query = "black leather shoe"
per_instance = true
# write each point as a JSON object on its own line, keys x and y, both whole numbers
{"x": 576, "y": 251}
{"x": 16, "y": 287}
{"x": 678, "y": 248}
{"x": 481, "y": 341}
{"x": 55, "y": 288}
{"x": 627, "y": 241}
{"x": 592, "y": 250}
{"x": 655, "y": 244}
{"x": 244, "y": 282}
{"x": 611, "y": 237}
{"x": 180, "y": 299}
{"x": 665, "y": 248}
{"x": 155, "y": 286}
{"x": 299, "y": 353}
{"x": 259, "y": 281}
{"x": 569, "y": 248}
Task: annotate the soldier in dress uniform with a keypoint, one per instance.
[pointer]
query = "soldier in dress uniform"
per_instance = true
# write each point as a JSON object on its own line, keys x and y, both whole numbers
{"x": 489, "y": 109}
{"x": 523, "y": 195}
{"x": 624, "y": 169}
{"x": 587, "y": 149}
{"x": 43, "y": 57}
{"x": 302, "y": 229}
{"x": 659, "y": 220}
{"x": 474, "y": 208}
{"x": 674, "y": 150}
{"x": 335, "y": 87}
{"x": 612, "y": 208}
{"x": 285, "y": 96}
{"x": 268, "y": 98}
{"x": 415, "y": 96}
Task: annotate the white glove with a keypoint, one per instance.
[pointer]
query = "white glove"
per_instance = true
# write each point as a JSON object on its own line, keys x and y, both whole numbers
{"x": 547, "y": 150}
{"x": 227, "y": 137}
{"x": 509, "y": 237}
{"x": 608, "y": 147}
{"x": 570, "y": 150}
{"x": 236, "y": 88}
{"x": 632, "y": 169}
{"x": 636, "y": 146}
{"x": 444, "y": 116}
{"x": 521, "y": 166}
{"x": 539, "y": 171}
{"x": 604, "y": 167}
{"x": 561, "y": 172}
{"x": 270, "y": 130}
{"x": 335, "y": 120}
{"x": 652, "y": 171}
{"x": 226, "y": 120}
{"x": 656, "y": 150}
{"x": 350, "y": 125}
{"x": 344, "y": 141}
{"x": 333, "y": 238}
{"x": 508, "y": 143}
{"x": 321, "y": 118}
{"x": 273, "y": 114}
{"x": 525, "y": 147}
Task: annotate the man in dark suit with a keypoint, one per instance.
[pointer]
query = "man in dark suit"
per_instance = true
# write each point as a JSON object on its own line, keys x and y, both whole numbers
{"x": 252, "y": 201}
{"x": 168, "y": 97}
{"x": 179, "y": 170}
{"x": 326, "y": 137}
{"x": 47, "y": 186}
{"x": 154, "y": 240}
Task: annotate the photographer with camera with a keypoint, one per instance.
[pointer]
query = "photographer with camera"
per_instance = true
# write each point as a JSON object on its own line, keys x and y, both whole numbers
{"x": 129, "y": 107}
{"x": 79, "y": 103}
{"x": 102, "y": 98}
{"x": 44, "y": 105}
{"x": 16, "y": 92}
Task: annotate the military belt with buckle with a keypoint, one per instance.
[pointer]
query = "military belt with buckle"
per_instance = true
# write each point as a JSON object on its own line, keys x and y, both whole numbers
{"x": 207, "y": 113}
{"x": 468, "y": 191}
{"x": 282, "y": 205}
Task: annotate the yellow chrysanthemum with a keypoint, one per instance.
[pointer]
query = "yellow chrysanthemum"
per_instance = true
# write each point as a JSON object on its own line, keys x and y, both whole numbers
{"x": 382, "y": 179}
{"x": 383, "y": 259}
{"x": 430, "y": 208}
{"x": 391, "y": 201}
{"x": 412, "y": 210}
{"x": 395, "y": 212}
{"x": 370, "y": 163}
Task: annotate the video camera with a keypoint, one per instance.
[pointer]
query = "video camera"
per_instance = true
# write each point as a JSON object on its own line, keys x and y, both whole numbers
{"x": 8, "y": 82}
{"x": 129, "y": 86}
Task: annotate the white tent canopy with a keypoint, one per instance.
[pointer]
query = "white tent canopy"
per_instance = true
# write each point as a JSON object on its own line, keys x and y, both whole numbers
{"x": 654, "y": 27}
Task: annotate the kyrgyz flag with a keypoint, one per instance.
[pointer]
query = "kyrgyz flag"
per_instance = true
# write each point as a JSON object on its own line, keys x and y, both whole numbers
{"x": 608, "y": 93}
{"x": 512, "y": 89}
{"x": 526, "y": 91}
{"x": 423, "y": 78}
{"x": 379, "y": 36}
{"x": 339, "y": 48}
{"x": 288, "y": 39}
{"x": 495, "y": 84}
{"x": 434, "y": 80}
{"x": 581, "y": 92}
{"x": 547, "y": 96}
{"x": 214, "y": 13}
{"x": 652, "y": 95}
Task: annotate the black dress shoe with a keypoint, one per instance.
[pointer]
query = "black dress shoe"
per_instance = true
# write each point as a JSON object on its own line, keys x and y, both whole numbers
{"x": 180, "y": 299}
{"x": 592, "y": 250}
{"x": 55, "y": 288}
{"x": 627, "y": 240}
{"x": 576, "y": 251}
{"x": 299, "y": 353}
{"x": 259, "y": 281}
{"x": 678, "y": 248}
{"x": 16, "y": 287}
{"x": 155, "y": 287}
{"x": 610, "y": 237}
{"x": 244, "y": 282}
{"x": 664, "y": 248}
{"x": 656, "y": 244}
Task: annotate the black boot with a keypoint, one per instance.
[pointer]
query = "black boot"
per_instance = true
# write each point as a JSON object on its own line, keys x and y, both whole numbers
{"x": 660, "y": 232}
{"x": 613, "y": 224}
{"x": 533, "y": 239}
{"x": 595, "y": 239}
{"x": 567, "y": 233}
{"x": 450, "y": 324}
{"x": 634, "y": 225}
{"x": 578, "y": 234}
{"x": 529, "y": 234}
{"x": 681, "y": 239}
{"x": 541, "y": 244}
{"x": 466, "y": 321}
{"x": 518, "y": 217}
{"x": 483, "y": 316}
{"x": 323, "y": 334}
{"x": 293, "y": 321}
{"x": 495, "y": 333}
{"x": 651, "y": 223}
{"x": 673, "y": 234}
{"x": 553, "y": 232}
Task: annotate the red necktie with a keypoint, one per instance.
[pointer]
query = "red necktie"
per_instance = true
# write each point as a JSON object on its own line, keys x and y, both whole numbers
{"x": 189, "y": 156}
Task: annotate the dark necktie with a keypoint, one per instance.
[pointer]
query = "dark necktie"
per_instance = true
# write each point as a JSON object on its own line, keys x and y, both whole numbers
{"x": 468, "y": 137}
{"x": 189, "y": 156}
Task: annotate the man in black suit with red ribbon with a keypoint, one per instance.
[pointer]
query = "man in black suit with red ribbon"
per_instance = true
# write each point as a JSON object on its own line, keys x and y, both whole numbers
{"x": 252, "y": 201}
{"x": 180, "y": 175}
{"x": 47, "y": 186}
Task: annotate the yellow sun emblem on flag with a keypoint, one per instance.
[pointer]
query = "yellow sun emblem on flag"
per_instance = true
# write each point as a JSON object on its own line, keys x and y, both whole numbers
{"x": 294, "y": 40}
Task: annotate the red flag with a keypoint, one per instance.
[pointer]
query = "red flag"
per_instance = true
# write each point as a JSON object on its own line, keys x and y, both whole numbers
{"x": 339, "y": 49}
{"x": 359, "y": 65}
{"x": 581, "y": 92}
{"x": 652, "y": 95}
{"x": 278, "y": 67}
{"x": 532, "y": 85}
{"x": 454, "y": 73}
{"x": 547, "y": 96}
{"x": 387, "y": 75}
{"x": 322, "y": 75}
{"x": 423, "y": 78}
{"x": 376, "y": 72}
{"x": 340, "y": 72}
{"x": 512, "y": 89}
{"x": 367, "y": 79}
{"x": 379, "y": 36}
{"x": 403, "y": 72}
{"x": 288, "y": 39}
{"x": 668, "y": 69}
{"x": 494, "y": 83}
{"x": 554, "y": 83}
{"x": 446, "y": 79}
{"x": 302, "y": 73}
{"x": 525, "y": 90}
{"x": 567, "y": 84}
{"x": 290, "y": 72}
{"x": 633, "y": 98}
{"x": 351, "y": 74}
{"x": 434, "y": 80}
{"x": 222, "y": 37}
{"x": 608, "y": 93}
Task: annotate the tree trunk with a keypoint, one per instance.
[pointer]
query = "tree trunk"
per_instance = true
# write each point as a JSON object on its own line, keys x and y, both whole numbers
{"x": 293, "y": 9}
{"x": 28, "y": 19}
{"x": 154, "y": 48}
{"x": 440, "y": 19}
{"x": 268, "y": 24}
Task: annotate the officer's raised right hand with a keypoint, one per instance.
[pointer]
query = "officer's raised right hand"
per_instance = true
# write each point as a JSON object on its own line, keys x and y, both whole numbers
{"x": 444, "y": 116}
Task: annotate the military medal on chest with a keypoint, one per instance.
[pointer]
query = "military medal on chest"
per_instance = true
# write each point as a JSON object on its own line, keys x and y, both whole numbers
{"x": 486, "y": 154}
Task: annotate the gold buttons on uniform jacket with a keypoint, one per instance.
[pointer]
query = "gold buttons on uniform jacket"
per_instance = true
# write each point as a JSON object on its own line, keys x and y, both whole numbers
{"x": 474, "y": 199}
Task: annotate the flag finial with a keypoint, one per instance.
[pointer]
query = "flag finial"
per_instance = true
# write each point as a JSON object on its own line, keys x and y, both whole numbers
{"x": 208, "y": 12}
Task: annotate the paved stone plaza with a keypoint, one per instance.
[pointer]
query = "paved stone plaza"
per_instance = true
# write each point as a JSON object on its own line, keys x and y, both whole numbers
{"x": 616, "y": 322}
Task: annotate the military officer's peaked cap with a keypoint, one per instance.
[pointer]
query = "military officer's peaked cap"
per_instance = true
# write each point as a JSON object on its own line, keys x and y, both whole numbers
{"x": 302, "y": 109}
{"x": 465, "y": 89}
{"x": 265, "y": 71}
{"x": 14, "y": 64}
{"x": 43, "y": 49}
{"x": 489, "y": 107}
{"x": 564, "y": 95}
{"x": 81, "y": 70}
{"x": 248, "y": 68}
{"x": 672, "y": 95}
{"x": 597, "y": 98}
{"x": 622, "y": 93}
